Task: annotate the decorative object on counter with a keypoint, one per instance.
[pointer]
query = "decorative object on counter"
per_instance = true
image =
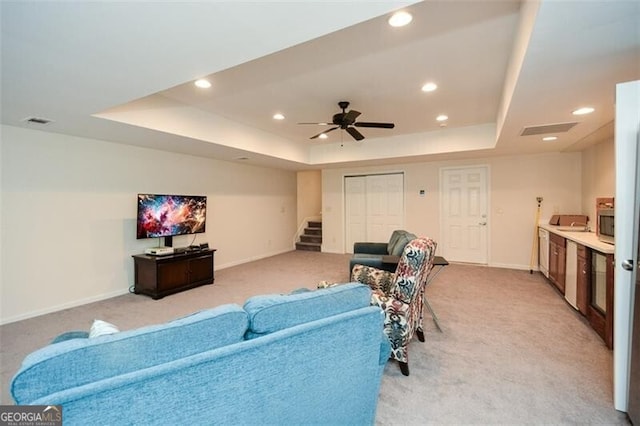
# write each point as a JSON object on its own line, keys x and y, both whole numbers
{"x": 604, "y": 203}
{"x": 571, "y": 222}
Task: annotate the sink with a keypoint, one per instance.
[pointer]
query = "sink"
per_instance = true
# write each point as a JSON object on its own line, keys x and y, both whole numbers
{"x": 575, "y": 228}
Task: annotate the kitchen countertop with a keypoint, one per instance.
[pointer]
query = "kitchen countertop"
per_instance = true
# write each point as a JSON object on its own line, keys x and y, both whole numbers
{"x": 588, "y": 239}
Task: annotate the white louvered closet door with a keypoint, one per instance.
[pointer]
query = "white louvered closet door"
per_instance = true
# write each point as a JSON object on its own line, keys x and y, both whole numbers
{"x": 374, "y": 207}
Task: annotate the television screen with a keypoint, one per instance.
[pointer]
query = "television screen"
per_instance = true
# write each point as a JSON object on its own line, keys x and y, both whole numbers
{"x": 169, "y": 215}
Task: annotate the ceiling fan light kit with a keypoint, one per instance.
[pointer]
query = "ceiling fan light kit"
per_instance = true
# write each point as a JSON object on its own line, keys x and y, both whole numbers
{"x": 347, "y": 121}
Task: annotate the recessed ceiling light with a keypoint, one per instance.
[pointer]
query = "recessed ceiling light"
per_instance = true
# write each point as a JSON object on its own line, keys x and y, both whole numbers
{"x": 429, "y": 87}
{"x": 442, "y": 117}
{"x": 400, "y": 19}
{"x": 202, "y": 83}
{"x": 549, "y": 138}
{"x": 323, "y": 136}
{"x": 583, "y": 111}
{"x": 278, "y": 116}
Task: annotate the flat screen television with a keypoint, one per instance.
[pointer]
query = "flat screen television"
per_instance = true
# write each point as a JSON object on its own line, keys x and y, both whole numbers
{"x": 162, "y": 215}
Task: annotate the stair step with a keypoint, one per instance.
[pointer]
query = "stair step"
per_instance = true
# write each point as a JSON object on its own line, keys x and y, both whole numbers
{"x": 308, "y": 246}
{"x": 315, "y": 224}
{"x": 313, "y": 231}
{"x": 311, "y": 238}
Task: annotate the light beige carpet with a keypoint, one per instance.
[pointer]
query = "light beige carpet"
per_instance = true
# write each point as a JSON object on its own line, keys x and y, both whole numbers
{"x": 512, "y": 351}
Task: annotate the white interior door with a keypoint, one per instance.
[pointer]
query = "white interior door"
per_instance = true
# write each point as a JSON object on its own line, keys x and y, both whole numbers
{"x": 374, "y": 207}
{"x": 464, "y": 214}
{"x": 627, "y": 202}
{"x": 385, "y": 201}
{"x": 355, "y": 190}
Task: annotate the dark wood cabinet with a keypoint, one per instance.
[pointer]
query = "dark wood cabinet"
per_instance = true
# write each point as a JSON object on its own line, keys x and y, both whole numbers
{"x": 557, "y": 260}
{"x": 159, "y": 276}
{"x": 594, "y": 279}
{"x": 600, "y": 307}
{"x": 583, "y": 278}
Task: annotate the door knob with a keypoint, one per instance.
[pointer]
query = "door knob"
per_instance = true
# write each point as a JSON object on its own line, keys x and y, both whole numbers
{"x": 482, "y": 223}
{"x": 627, "y": 265}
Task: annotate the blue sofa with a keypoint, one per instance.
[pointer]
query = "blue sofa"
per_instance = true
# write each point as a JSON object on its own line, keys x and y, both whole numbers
{"x": 372, "y": 254}
{"x": 313, "y": 357}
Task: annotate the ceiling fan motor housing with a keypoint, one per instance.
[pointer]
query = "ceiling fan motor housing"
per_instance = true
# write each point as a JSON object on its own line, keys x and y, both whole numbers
{"x": 338, "y": 119}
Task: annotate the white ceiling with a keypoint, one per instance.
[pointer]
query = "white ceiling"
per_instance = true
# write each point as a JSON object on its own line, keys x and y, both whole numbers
{"x": 124, "y": 72}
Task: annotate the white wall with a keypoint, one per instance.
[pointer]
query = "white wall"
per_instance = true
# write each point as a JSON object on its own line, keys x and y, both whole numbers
{"x": 598, "y": 176}
{"x": 68, "y": 215}
{"x": 1, "y": 224}
{"x": 515, "y": 182}
{"x": 309, "y": 194}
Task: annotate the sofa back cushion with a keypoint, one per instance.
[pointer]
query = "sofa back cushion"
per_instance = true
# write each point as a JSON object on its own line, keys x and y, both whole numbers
{"x": 401, "y": 241}
{"x": 270, "y": 313}
{"x": 413, "y": 269}
{"x": 395, "y": 235}
{"x": 80, "y": 361}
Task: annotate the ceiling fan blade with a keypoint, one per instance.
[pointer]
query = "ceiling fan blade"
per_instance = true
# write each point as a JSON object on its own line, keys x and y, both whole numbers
{"x": 318, "y": 124}
{"x": 355, "y": 133}
{"x": 323, "y": 133}
{"x": 378, "y": 125}
{"x": 350, "y": 117}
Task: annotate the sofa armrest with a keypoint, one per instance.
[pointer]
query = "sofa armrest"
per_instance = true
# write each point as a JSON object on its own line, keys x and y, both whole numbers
{"x": 370, "y": 248}
{"x": 398, "y": 325}
{"x": 385, "y": 349}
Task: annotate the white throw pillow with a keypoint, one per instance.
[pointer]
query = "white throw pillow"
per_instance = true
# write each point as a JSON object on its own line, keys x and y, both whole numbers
{"x": 100, "y": 328}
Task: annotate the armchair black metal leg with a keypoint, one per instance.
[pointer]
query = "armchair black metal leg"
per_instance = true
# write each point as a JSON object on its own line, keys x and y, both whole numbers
{"x": 420, "y": 334}
{"x": 404, "y": 368}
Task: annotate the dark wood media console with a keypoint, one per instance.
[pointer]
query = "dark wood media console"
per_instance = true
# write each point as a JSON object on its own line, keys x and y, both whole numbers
{"x": 159, "y": 276}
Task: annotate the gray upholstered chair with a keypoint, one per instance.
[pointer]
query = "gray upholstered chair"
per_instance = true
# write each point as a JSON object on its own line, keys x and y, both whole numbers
{"x": 372, "y": 254}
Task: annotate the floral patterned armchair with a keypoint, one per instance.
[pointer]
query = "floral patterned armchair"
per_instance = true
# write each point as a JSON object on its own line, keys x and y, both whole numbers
{"x": 401, "y": 295}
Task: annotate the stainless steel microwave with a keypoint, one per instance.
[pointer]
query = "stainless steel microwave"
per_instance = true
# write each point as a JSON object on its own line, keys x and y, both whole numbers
{"x": 605, "y": 229}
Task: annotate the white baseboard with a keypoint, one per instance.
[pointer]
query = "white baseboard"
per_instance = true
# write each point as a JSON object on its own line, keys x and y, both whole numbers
{"x": 116, "y": 293}
{"x": 63, "y": 306}
{"x": 513, "y": 266}
{"x": 250, "y": 259}
{"x": 331, "y": 251}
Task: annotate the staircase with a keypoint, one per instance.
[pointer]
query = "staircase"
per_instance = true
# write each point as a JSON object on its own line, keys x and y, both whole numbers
{"x": 311, "y": 239}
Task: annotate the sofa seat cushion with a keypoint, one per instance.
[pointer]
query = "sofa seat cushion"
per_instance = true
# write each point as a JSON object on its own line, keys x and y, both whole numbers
{"x": 366, "y": 259}
{"x": 271, "y": 313}
{"x": 76, "y": 362}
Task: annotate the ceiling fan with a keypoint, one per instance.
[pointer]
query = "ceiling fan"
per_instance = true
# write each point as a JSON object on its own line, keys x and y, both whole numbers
{"x": 347, "y": 121}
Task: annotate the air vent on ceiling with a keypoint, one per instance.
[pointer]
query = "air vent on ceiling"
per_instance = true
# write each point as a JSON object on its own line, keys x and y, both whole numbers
{"x": 547, "y": 128}
{"x": 37, "y": 120}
